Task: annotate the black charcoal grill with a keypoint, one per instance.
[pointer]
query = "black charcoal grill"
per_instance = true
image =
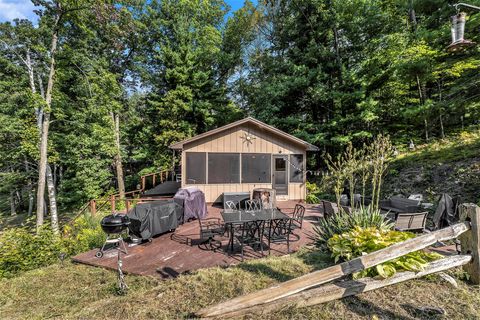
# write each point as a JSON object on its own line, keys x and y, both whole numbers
{"x": 113, "y": 225}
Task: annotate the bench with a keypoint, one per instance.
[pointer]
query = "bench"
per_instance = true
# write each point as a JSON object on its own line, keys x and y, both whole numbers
{"x": 399, "y": 205}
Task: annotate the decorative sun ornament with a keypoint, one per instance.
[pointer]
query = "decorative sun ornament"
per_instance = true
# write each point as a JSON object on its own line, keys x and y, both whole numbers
{"x": 248, "y": 138}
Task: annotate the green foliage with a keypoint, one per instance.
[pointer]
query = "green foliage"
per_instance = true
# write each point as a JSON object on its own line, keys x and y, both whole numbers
{"x": 329, "y": 72}
{"x": 83, "y": 234}
{"x": 360, "y": 241}
{"x": 342, "y": 222}
{"x": 312, "y": 193}
{"x": 22, "y": 249}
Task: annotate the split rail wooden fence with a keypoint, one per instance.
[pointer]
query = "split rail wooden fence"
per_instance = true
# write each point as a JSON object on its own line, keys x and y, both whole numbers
{"x": 312, "y": 289}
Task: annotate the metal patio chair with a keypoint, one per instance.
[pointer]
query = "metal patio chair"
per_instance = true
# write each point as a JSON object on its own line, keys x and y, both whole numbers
{"x": 253, "y": 205}
{"x": 251, "y": 234}
{"x": 279, "y": 231}
{"x": 297, "y": 216}
{"x": 209, "y": 229}
{"x": 232, "y": 205}
{"x": 328, "y": 209}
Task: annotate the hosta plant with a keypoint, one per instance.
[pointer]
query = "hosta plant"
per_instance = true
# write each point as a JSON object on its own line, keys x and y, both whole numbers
{"x": 342, "y": 222}
{"x": 361, "y": 241}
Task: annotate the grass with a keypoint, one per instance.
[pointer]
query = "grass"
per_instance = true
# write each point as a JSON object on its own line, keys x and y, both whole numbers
{"x": 73, "y": 291}
{"x": 463, "y": 145}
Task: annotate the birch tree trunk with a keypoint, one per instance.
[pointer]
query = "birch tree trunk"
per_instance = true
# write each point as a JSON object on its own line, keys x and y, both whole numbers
{"x": 52, "y": 200}
{"x": 118, "y": 156}
{"x": 42, "y": 165}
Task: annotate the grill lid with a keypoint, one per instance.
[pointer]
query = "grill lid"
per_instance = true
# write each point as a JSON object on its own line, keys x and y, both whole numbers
{"x": 115, "y": 220}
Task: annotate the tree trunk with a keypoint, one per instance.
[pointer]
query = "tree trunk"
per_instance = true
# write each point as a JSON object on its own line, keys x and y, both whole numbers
{"x": 29, "y": 188}
{"x": 42, "y": 165}
{"x": 442, "y": 131}
{"x": 426, "y": 129}
{"x": 53, "y": 200}
{"x": 118, "y": 156}
{"x": 31, "y": 77}
{"x": 13, "y": 207}
{"x": 420, "y": 91}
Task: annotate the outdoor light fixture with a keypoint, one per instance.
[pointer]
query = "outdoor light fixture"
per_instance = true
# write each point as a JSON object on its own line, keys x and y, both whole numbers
{"x": 458, "y": 29}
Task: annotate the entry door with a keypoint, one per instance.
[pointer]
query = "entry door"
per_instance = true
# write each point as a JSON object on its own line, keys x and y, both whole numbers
{"x": 280, "y": 182}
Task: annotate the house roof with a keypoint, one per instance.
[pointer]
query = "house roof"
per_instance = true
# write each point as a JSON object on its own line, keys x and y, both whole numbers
{"x": 260, "y": 124}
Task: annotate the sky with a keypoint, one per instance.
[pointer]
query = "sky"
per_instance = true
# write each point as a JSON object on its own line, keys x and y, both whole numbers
{"x": 23, "y": 9}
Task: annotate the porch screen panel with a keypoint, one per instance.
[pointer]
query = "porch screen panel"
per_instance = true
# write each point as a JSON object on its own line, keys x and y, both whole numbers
{"x": 256, "y": 168}
{"x": 296, "y": 167}
{"x": 196, "y": 167}
{"x": 223, "y": 168}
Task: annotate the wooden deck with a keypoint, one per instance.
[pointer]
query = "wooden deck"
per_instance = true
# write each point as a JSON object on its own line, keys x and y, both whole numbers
{"x": 171, "y": 254}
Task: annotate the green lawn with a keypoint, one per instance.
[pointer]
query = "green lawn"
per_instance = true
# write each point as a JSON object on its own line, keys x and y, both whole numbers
{"x": 73, "y": 291}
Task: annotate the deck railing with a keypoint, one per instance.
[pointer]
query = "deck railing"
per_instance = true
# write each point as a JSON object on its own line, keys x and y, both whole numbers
{"x": 149, "y": 180}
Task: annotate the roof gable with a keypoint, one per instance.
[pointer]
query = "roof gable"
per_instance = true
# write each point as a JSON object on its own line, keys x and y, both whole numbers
{"x": 271, "y": 129}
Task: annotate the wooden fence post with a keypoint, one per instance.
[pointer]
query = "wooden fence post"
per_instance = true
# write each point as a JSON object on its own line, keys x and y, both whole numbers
{"x": 470, "y": 241}
{"x": 112, "y": 202}
{"x": 93, "y": 207}
{"x": 143, "y": 183}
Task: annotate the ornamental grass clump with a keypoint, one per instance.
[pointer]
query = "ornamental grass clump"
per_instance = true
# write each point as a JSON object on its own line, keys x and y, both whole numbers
{"x": 360, "y": 241}
{"x": 339, "y": 223}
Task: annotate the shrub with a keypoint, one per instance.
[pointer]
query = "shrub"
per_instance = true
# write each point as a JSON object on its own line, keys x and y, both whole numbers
{"x": 84, "y": 234}
{"x": 312, "y": 198}
{"x": 312, "y": 193}
{"x": 360, "y": 241}
{"x": 342, "y": 222}
{"x": 22, "y": 249}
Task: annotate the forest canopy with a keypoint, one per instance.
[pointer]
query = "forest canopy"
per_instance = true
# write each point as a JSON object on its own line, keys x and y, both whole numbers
{"x": 94, "y": 92}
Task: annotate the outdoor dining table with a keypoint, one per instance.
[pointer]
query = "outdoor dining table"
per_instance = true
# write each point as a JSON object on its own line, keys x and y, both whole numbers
{"x": 234, "y": 217}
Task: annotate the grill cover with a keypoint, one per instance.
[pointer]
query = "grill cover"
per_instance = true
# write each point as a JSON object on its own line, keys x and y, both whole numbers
{"x": 152, "y": 218}
{"x": 193, "y": 201}
{"x": 446, "y": 213}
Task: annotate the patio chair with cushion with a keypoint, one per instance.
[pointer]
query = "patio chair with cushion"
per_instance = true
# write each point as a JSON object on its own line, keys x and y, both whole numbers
{"x": 411, "y": 221}
{"x": 297, "y": 216}
{"x": 209, "y": 229}
{"x": 397, "y": 205}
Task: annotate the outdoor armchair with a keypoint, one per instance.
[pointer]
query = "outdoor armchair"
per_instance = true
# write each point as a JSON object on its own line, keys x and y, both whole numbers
{"x": 209, "y": 229}
{"x": 411, "y": 221}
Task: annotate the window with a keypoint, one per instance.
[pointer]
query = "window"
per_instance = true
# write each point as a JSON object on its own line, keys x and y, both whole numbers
{"x": 196, "y": 166}
{"x": 296, "y": 168}
{"x": 256, "y": 168}
{"x": 223, "y": 168}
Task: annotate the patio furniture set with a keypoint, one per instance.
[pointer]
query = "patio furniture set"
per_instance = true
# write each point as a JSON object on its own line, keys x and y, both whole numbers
{"x": 407, "y": 213}
{"x": 250, "y": 223}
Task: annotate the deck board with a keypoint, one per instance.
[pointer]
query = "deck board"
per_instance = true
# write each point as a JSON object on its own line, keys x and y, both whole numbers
{"x": 177, "y": 252}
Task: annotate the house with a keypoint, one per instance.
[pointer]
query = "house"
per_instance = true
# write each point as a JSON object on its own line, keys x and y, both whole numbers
{"x": 244, "y": 155}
